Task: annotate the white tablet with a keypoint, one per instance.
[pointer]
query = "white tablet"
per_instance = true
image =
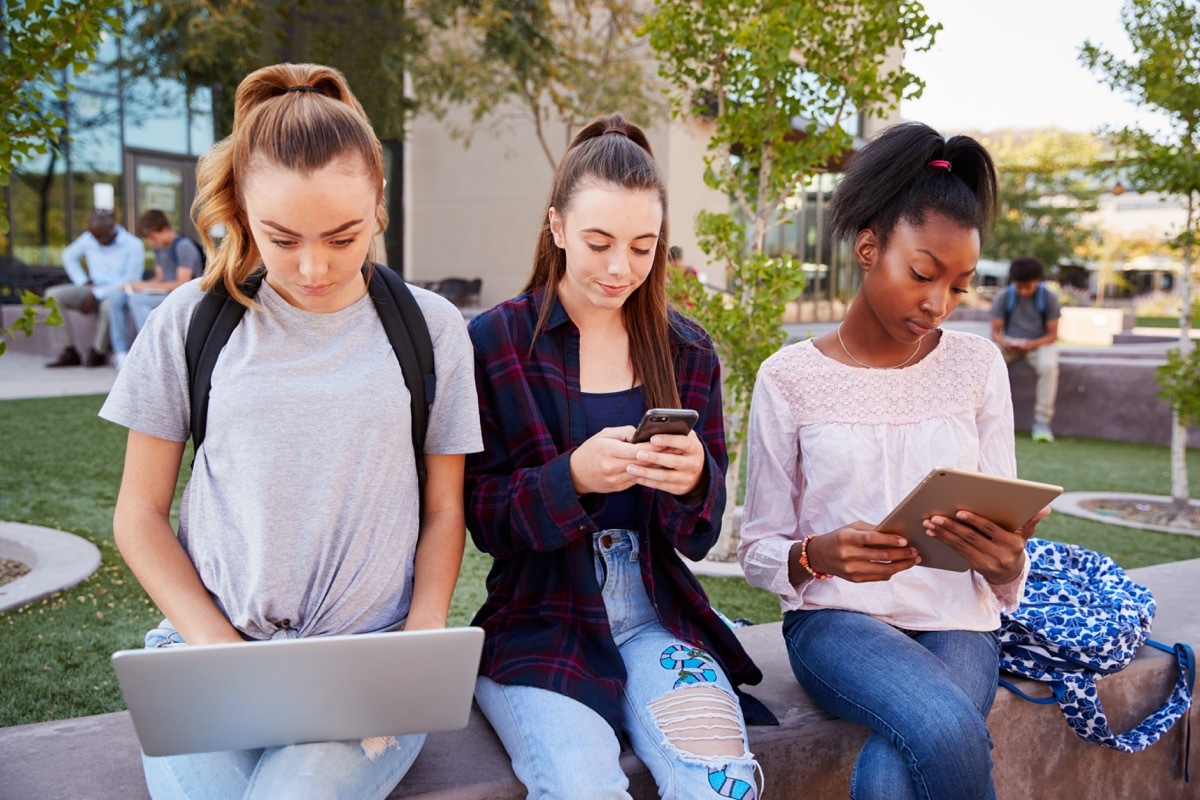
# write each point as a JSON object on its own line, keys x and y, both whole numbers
{"x": 1008, "y": 502}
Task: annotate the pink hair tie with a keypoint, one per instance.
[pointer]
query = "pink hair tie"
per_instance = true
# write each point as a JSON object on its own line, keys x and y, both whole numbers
{"x": 940, "y": 163}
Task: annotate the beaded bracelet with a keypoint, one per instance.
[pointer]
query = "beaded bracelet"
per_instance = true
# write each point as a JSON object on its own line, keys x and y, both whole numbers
{"x": 804, "y": 560}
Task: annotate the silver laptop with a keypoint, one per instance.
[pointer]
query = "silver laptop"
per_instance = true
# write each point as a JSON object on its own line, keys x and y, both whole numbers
{"x": 330, "y": 688}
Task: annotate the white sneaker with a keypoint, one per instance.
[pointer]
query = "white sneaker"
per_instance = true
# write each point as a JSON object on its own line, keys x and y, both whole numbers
{"x": 119, "y": 359}
{"x": 1042, "y": 432}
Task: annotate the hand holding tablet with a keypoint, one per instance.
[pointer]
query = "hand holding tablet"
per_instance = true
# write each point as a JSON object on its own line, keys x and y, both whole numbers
{"x": 1007, "y": 502}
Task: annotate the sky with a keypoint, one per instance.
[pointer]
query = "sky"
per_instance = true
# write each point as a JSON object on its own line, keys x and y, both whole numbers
{"x": 1015, "y": 64}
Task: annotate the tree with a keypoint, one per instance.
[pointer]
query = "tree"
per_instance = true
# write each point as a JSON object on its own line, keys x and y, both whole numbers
{"x": 1165, "y": 77}
{"x": 39, "y": 39}
{"x": 554, "y": 63}
{"x": 216, "y": 44}
{"x": 1045, "y": 190}
{"x": 31, "y": 307}
{"x": 781, "y": 82}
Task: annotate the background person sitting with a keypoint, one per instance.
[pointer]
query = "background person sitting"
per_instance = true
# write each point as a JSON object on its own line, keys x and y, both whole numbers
{"x": 177, "y": 260}
{"x": 114, "y": 257}
{"x": 1025, "y": 326}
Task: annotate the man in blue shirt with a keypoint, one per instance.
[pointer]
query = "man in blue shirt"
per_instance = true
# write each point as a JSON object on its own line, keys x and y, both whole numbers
{"x": 114, "y": 257}
{"x": 1025, "y": 326}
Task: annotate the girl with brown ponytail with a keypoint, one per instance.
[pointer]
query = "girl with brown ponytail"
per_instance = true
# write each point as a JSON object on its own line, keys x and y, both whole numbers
{"x": 595, "y": 627}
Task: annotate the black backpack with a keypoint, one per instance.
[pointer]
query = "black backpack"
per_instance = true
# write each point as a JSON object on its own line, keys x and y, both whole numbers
{"x": 217, "y": 314}
{"x": 174, "y": 250}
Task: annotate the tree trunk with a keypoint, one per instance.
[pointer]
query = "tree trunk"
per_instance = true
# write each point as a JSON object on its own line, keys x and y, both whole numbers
{"x": 1179, "y": 472}
{"x": 393, "y": 237}
{"x": 727, "y": 543}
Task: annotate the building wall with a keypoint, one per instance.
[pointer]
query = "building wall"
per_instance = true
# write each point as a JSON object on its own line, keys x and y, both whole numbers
{"x": 1149, "y": 214}
{"x": 474, "y": 210}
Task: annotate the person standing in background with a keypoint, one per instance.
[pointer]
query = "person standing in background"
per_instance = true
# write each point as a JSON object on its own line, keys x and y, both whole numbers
{"x": 1025, "y": 326}
{"x": 114, "y": 257}
{"x": 177, "y": 260}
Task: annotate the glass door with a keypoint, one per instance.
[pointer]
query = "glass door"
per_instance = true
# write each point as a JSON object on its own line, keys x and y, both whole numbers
{"x": 161, "y": 181}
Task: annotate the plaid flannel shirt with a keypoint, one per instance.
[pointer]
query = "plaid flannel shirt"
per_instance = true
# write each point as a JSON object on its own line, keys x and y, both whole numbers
{"x": 544, "y": 615}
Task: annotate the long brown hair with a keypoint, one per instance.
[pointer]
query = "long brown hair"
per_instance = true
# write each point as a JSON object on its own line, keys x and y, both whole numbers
{"x": 302, "y": 117}
{"x": 612, "y": 151}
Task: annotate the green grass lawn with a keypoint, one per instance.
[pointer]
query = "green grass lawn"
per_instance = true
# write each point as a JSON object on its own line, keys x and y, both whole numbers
{"x": 1160, "y": 322}
{"x": 62, "y": 467}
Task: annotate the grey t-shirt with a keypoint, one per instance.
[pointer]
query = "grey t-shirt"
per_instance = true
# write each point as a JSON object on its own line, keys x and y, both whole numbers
{"x": 180, "y": 253}
{"x": 302, "y": 505}
{"x": 1025, "y": 322}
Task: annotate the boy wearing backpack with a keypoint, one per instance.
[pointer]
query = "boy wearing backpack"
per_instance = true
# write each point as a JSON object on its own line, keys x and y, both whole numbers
{"x": 177, "y": 259}
{"x": 1025, "y": 326}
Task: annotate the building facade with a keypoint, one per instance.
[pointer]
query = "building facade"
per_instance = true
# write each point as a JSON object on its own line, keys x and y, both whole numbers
{"x": 129, "y": 145}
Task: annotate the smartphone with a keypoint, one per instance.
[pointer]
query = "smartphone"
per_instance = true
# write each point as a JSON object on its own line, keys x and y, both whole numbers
{"x": 665, "y": 420}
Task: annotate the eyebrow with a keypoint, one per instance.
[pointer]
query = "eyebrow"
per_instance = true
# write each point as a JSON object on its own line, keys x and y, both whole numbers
{"x": 942, "y": 266}
{"x": 603, "y": 232}
{"x": 329, "y": 232}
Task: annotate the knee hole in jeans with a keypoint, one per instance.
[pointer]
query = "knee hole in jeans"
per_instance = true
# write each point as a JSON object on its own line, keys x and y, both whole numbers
{"x": 700, "y": 720}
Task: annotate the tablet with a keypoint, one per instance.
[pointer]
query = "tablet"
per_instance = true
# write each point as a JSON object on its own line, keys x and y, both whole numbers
{"x": 1008, "y": 502}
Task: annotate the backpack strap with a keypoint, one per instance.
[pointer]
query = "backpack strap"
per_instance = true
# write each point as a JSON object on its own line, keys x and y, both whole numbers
{"x": 213, "y": 321}
{"x": 404, "y": 324}
{"x": 1010, "y": 302}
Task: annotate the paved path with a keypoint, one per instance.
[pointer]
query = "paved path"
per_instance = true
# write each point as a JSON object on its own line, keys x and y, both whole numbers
{"x": 26, "y": 375}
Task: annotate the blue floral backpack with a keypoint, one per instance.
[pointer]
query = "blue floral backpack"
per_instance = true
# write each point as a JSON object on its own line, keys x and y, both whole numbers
{"x": 1082, "y": 618}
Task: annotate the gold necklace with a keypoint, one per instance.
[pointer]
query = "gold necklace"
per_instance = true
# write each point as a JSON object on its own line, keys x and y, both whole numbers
{"x": 846, "y": 350}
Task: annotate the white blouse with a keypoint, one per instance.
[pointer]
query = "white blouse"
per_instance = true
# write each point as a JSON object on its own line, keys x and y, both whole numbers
{"x": 830, "y": 444}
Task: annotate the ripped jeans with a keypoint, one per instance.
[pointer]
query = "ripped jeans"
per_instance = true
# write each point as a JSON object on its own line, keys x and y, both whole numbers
{"x": 370, "y": 768}
{"x": 678, "y": 709}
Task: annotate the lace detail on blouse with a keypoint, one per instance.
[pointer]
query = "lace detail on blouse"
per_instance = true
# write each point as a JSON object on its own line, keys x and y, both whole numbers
{"x": 947, "y": 381}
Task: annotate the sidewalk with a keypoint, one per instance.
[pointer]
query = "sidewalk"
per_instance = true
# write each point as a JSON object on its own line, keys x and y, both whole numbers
{"x": 25, "y": 375}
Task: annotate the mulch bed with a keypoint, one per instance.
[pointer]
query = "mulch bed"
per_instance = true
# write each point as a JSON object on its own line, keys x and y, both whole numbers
{"x": 1145, "y": 512}
{"x": 11, "y": 570}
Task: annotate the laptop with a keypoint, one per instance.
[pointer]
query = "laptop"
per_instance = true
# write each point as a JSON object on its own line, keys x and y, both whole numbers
{"x": 280, "y": 692}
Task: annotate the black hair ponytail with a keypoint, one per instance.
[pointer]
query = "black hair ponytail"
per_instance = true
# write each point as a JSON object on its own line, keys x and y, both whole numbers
{"x": 908, "y": 171}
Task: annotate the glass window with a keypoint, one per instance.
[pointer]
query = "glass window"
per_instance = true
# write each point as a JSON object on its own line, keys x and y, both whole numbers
{"x": 155, "y": 117}
{"x": 38, "y": 210}
{"x": 202, "y": 121}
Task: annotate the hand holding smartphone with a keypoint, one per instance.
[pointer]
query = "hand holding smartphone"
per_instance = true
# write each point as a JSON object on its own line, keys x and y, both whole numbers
{"x": 677, "y": 421}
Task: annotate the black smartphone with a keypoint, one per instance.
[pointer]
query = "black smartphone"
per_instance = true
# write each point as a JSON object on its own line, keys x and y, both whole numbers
{"x": 665, "y": 420}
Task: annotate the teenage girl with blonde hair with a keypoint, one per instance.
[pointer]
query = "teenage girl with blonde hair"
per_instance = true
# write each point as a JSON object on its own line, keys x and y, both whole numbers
{"x": 301, "y": 517}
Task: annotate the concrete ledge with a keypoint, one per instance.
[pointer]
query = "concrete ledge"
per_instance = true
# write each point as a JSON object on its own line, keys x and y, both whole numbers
{"x": 82, "y": 327}
{"x": 810, "y": 754}
{"x": 1105, "y": 394}
{"x": 58, "y": 560}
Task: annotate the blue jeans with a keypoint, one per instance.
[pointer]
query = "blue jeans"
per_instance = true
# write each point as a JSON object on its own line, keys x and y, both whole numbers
{"x": 678, "y": 709}
{"x": 366, "y": 769}
{"x": 126, "y": 310}
{"x": 925, "y": 695}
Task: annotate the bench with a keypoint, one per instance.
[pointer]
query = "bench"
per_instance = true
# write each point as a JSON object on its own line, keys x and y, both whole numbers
{"x": 809, "y": 755}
